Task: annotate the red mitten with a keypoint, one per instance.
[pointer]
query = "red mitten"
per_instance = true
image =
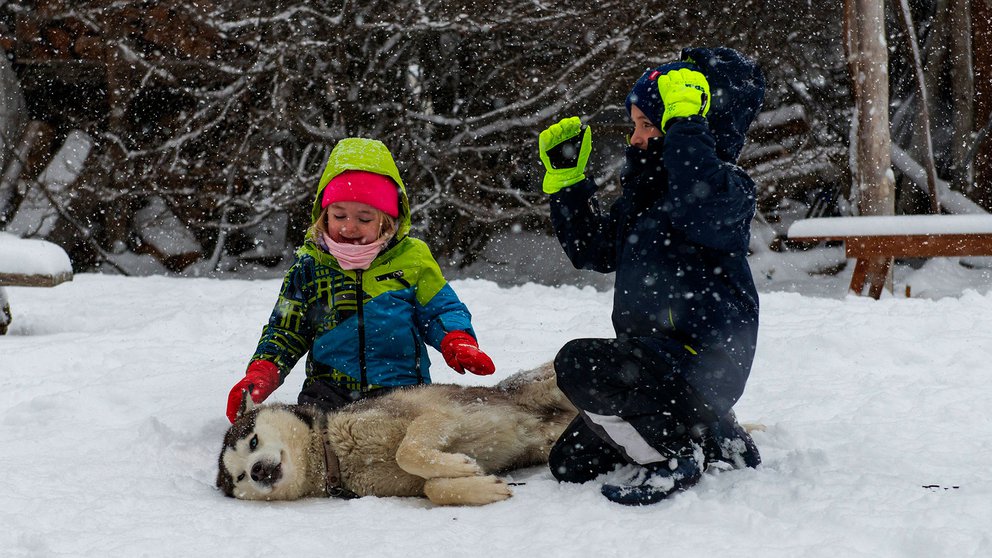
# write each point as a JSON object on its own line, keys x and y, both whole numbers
{"x": 461, "y": 351}
{"x": 261, "y": 379}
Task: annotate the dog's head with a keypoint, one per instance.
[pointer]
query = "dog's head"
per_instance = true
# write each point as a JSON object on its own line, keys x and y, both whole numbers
{"x": 269, "y": 454}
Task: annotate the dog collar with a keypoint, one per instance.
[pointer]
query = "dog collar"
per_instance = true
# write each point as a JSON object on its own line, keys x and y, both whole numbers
{"x": 332, "y": 478}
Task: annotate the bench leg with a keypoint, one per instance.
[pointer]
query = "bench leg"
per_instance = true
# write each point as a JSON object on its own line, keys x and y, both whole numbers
{"x": 874, "y": 272}
{"x": 858, "y": 279}
{"x": 5, "y": 316}
{"x": 878, "y": 274}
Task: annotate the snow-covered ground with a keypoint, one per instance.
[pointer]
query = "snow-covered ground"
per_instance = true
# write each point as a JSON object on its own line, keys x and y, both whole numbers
{"x": 878, "y": 437}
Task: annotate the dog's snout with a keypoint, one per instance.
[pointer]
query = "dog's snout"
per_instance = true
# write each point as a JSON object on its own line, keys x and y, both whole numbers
{"x": 263, "y": 473}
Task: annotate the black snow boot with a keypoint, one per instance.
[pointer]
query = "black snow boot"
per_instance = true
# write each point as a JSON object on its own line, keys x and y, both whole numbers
{"x": 653, "y": 483}
{"x": 726, "y": 441}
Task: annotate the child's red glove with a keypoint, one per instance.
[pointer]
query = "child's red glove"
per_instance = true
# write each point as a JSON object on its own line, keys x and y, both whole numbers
{"x": 461, "y": 351}
{"x": 261, "y": 379}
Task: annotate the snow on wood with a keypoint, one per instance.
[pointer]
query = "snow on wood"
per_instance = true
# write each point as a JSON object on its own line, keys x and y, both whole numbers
{"x": 67, "y": 164}
{"x": 164, "y": 236}
{"x": 890, "y": 225}
{"x": 270, "y": 238}
{"x": 37, "y": 216}
{"x": 32, "y": 262}
{"x": 784, "y": 121}
{"x": 950, "y": 200}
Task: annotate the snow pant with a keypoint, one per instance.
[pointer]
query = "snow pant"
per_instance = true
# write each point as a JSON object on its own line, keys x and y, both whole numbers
{"x": 633, "y": 408}
{"x": 330, "y": 397}
{"x": 581, "y": 455}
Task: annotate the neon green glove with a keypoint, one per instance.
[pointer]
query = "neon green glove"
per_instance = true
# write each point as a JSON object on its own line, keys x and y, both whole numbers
{"x": 565, "y": 149}
{"x": 685, "y": 93}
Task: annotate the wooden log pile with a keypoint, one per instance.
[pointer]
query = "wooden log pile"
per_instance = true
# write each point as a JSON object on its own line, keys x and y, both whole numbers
{"x": 784, "y": 162}
{"x": 100, "y": 54}
{"x": 53, "y": 31}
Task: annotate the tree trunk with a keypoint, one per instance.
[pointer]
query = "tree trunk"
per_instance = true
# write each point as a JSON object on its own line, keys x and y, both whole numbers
{"x": 924, "y": 114}
{"x": 868, "y": 63}
{"x": 982, "y": 44}
{"x": 874, "y": 183}
{"x": 962, "y": 92}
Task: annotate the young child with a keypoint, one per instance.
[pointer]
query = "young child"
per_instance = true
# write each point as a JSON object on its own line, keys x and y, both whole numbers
{"x": 685, "y": 311}
{"x": 362, "y": 297}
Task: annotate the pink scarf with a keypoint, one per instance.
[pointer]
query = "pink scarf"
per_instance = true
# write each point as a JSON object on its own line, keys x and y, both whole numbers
{"x": 354, "y": 256}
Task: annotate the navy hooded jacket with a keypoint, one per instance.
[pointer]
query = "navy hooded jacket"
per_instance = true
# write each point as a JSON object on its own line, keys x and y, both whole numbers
{"x": 677, "y": 237}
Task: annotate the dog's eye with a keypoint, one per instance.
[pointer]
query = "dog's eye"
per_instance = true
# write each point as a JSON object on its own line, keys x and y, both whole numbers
{"x": 240, "y": 478}
{"x": 253, "y": 443}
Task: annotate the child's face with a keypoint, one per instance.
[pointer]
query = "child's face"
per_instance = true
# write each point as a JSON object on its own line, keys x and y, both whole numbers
{"x": 643, "y": 129}
{"x": 350, "y": 222}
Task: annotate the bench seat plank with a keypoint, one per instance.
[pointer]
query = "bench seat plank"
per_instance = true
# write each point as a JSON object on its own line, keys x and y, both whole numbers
{"x": 840, "y": 228}
{"x": 874, "y": 241}
{"x": 28, "y": 262}
{"x": 917, "y": 246}
{"x": 21, "y": 280}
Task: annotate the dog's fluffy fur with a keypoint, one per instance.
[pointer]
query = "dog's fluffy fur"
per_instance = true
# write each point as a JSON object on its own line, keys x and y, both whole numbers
{"x": 444, "y": 442}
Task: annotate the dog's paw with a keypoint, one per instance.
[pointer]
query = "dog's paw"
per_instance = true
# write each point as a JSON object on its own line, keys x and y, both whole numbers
{"x": 460, "y": 465}
{"x": 438, "y": 464}
{"x": 467, "y": 491}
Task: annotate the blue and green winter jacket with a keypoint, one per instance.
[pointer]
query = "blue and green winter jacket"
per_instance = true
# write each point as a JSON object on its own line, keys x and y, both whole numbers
{"x": 363, "y": 329}
{"x": 677, "y": 237}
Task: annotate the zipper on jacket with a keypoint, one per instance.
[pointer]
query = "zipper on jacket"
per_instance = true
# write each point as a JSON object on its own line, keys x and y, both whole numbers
{"x": 416, "y": 349}
{"x": 360, "y": 307}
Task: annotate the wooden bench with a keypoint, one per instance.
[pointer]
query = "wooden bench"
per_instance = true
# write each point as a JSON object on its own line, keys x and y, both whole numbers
{"x": 29, "y": 263}
{"x": 876, "y": 240}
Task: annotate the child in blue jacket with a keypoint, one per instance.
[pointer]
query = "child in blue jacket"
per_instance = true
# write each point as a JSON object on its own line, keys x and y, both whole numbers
{"x": 363, "y": 298}
{"x": 659, "y": 395}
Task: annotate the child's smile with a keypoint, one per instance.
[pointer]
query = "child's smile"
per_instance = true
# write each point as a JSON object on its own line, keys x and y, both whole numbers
{"x": 350, "y": 222}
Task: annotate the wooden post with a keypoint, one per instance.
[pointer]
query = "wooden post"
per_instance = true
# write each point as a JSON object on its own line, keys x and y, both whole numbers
{"x": 5, "y": 316}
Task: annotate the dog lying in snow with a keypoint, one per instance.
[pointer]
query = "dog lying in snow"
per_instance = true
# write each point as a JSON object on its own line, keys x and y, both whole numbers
{"x": 445, "y": 442}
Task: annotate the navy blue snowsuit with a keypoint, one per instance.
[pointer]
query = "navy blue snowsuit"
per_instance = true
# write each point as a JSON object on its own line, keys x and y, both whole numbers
{"x": 685, "y": 306}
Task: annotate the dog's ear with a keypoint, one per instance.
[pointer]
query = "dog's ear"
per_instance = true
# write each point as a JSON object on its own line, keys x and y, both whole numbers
{"x": 307, "y": 413}
{"x": 224, "y": 480}
{"x": 247, "y": 403}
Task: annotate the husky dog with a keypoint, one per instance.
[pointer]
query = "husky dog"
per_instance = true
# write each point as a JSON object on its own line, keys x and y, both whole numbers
{"x": 445, "y": 442}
